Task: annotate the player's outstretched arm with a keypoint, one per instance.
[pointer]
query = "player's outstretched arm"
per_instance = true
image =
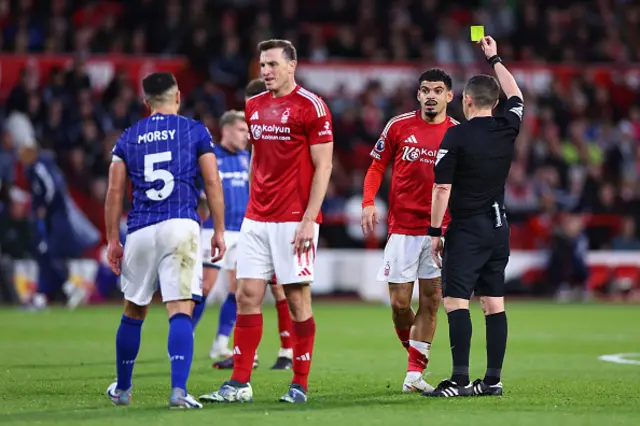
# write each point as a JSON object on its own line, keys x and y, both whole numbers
{"x": 113, "y": 202}
{"x": 505, "y": 78}
{"x": 322, "y": 158}
{"x": 213, "y": 189}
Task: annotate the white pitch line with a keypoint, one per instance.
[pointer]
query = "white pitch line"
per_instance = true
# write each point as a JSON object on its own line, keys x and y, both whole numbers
{"x": 621, "y": 358}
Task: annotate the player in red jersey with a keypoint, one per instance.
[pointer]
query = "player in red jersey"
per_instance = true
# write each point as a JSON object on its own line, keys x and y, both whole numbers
{"x": 292, "y": 137}
{"x": 285, "y": 353}
{"x": 411, "y": 141}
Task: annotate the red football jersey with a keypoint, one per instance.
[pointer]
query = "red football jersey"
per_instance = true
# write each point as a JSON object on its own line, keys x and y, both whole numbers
{"x": 412, "y": 144}
{"x": 282, "y": 131}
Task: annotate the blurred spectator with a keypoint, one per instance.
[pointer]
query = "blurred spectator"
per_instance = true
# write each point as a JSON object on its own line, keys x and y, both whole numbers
{"x": 61, "y": 231}
{"x": 7, "y": 168}
{"x": 15, "y": 228}
{"x": 627, "y": 238}
{"x": 567, "y": 270}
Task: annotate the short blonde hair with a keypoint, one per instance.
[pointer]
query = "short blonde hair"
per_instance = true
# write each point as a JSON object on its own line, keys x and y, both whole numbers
{"x": 230, "y": 117}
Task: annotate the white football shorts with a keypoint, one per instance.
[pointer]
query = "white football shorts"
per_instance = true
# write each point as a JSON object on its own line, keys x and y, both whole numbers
{"x": 406, "y": 259}
{"x": 265, "y": 248}
{"x": 165, "y": 254}
{"x": 230, "y": 258}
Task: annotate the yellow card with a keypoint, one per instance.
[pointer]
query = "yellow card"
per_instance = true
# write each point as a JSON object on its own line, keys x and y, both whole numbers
{"x": 477, "y": 32}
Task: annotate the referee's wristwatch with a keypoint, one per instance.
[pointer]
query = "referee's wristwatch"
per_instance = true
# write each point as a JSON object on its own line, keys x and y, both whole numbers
{"x": 434, "y": 232}
{"x": 495, "y": 59}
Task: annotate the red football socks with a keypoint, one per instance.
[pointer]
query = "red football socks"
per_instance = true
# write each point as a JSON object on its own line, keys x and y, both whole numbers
{"x": 284, "y": 324}
{"x": 304, "y": 334}
{"x": 246, "y": 339}
{"x": 403, "y": 335}
{"x": 417, "y": 360}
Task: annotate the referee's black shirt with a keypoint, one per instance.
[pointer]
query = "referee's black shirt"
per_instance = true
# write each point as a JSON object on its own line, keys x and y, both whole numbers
{"x": 475, "y": 158}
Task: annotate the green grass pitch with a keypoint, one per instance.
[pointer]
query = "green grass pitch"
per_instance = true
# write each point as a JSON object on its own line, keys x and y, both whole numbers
{"x": 56, "y": 365}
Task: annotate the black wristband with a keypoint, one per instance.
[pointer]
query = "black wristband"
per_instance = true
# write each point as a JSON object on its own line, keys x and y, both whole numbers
{"x": 494, "y": 60}
{"x": 434, "y": 232}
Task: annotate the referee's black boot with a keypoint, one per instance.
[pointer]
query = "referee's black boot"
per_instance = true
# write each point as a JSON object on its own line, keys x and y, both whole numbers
{"x": 449, "y": 389}
{"x": 480, "y": 388}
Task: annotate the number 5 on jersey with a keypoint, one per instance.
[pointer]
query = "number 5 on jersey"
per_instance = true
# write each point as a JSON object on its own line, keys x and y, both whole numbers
{"x": 151, "y": 174}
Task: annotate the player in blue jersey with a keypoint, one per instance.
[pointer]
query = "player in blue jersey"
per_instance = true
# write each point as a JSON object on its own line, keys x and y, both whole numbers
{"x": 233, "y": 166}
{"x": 161, "y": 155}
{"x": 62, "y": 231}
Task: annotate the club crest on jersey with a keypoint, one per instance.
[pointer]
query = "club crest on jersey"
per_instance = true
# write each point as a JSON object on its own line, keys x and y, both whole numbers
{"x": 379, "y": 145}
{"x": 285, "y": 116}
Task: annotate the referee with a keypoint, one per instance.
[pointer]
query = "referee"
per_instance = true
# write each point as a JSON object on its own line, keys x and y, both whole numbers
{"x": 470, "y": 173}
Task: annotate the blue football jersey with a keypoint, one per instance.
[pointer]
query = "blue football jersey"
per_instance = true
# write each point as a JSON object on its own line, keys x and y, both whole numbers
{"x": 234, "y": 174}
{"x": 161, "y": 153}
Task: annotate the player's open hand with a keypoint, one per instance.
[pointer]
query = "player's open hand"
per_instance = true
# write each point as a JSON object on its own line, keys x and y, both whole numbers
{"x": 436, "y": 250}
{"x": 369, "y": 219}
{"x": 218, "y": 246}
{"x": 489, "y": 46}
{"x": 304, "y": 236}
{"x": 115, "y": 251}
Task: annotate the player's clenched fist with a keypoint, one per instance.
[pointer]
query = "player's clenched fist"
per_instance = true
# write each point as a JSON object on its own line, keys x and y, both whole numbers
{"x": 369, "y": 219}
{"x": 218, "y": 247}
{"x": 489, "y": 46}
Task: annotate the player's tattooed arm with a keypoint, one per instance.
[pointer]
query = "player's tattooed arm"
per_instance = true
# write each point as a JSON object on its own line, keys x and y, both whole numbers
{"x": 322, "y": 158}
{"x": 113, "y": 201}
{"x": 213, "y": 188}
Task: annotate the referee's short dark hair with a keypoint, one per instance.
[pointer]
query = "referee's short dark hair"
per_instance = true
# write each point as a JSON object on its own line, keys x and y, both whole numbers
{"x": 157, "y": 85}
{"x": 435, "y": 75}
{"x": 288, "y": 50}
{"x": 484, "y": 90}
{"x": 255, "y": 87}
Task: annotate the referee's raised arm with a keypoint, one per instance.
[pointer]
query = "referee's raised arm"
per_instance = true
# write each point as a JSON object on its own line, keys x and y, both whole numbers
{"x": 505, "y": 78}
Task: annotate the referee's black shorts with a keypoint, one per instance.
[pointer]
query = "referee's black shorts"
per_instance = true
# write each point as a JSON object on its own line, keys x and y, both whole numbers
{"x": 475, "y": 257}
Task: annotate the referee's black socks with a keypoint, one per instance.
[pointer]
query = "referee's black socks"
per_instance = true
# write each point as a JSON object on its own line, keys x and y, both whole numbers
{"x": 460, "y": 341}
{"x": 496, "y": 346}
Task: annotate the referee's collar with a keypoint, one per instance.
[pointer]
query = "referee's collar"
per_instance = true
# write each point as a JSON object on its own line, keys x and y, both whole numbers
{"x": 480, "y": 116}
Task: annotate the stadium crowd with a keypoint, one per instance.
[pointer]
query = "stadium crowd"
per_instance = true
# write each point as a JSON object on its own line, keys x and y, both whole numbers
{"x": 578, "y": 153}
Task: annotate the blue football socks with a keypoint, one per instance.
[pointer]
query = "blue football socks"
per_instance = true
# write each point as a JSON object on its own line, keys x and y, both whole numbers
{"x": 127, "y": 347}
{"x": 198, "y": 310}
{"x": 180, "y": 349}
{"x": 228, "y": 312}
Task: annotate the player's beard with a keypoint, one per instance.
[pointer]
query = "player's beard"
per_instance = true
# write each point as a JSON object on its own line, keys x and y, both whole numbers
{"x": 431, "y": 114}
